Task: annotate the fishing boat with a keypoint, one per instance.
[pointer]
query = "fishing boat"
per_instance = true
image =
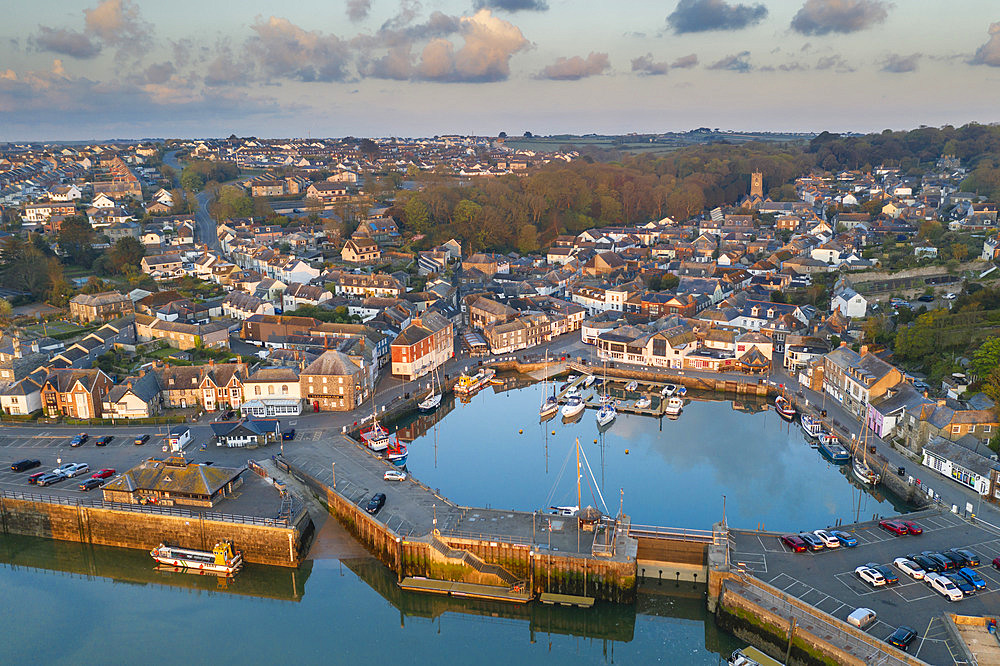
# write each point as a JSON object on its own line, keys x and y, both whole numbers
{"x": 833, "y": 450}
{"x": 606, "y": 414}
{"x": 468, "y": 385}
{"x": 433, "y": 401}
{"x": 751, "y": 656}
{"x": 643, "y": 403}
{"x": 375, "y": 437}
{"x": 674, "y": 406}
{"x": 573, "y": 407}
{"x": 811, "y": 426}
{"x": 222, "y": 558}
{"x": 396, "y": 453}
{"x": 632, "y": 386}
{"x": 784, "y": 408}
{"x": 668, "y": 390}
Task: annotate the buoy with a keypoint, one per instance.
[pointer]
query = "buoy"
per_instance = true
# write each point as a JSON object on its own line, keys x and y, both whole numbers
{"x": 520, "y": 432}
{"x": 553, "y": 432}
{"x": 595, "y": 441}
{"x": 626, "y": 451}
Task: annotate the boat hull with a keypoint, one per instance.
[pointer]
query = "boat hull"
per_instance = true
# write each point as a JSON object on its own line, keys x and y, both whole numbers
{"x": 569, "y": 411}
{"x": 835, "y": 453}
{"x": 864, "y": 474}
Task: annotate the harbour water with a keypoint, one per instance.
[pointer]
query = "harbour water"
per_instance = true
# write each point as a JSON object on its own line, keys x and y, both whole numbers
{"x": 75, "y": 602}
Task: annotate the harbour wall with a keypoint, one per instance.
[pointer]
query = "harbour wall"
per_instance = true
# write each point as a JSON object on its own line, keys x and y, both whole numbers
{"x": 275, "y": 544}
{"x": 600, "y": 578}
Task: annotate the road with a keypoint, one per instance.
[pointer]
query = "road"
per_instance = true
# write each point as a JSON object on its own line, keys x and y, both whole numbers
{"x": 206, "y": 228}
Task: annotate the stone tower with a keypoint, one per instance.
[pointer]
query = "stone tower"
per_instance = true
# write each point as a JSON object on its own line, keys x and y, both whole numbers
{"x": 757, "y": 184}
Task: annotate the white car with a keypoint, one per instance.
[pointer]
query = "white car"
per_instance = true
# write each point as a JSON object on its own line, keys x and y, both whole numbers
{"x": 828, "y": 540}
{"x": 394, "y": 475}
{"x": 871, "y": 576}
{"x": 944, "y": 587}
{"x": 950, "y": 296}
{"x": 74, "y": 469}
{"x": 909, "y": 567}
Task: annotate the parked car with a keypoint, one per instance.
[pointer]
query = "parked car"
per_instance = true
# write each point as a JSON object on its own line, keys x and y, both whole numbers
{"x": 969, "y": 558}
{"x": 945, "y": 563}
{"x": 78, "y": 440}
{"x": 62, "y": 469}
{"x": 870, "y": 576}
{"x": 812, "y": 541}
{"x": 103, "y": 441}
{"x": 909, "y": 567}
{"x": 957, "y": 560}
{"x": 912, "y": 527}
{"x": 796, "y": 543}
{"x": 973, "y": 577}
{"x": 90, "y": 484}
{"x": 844, "y": 538}
{"x": 996, "y": 562}
{"x": 103, "y": 474}
{"x": 894, "y": 526}
{"x": 33, "y": 479}
{"x": 50, "y": 478}
{"x": 944, "y": 587}
{"x": 375, "y": 503}
{"x": 887, "y": 573}
{"x": 24, "y": 465}
{"x": 394, "y": 475}
{"x": 967, "y": 588}
{"x": 926, "y": 563}
{"x": 926, "y": 298}
{"x": 902, "y": 637}
{"x": 288, "y": 434}
{"x": 828, "y": 539}
{"x": 75, "y": 469}
{"x": 950, "y": 296}
{"x": 861, "y": 617}
{"x": 141, "y": 439}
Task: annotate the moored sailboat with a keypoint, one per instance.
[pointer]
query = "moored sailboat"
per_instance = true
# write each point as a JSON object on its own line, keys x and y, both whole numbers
{"x": 432, "y": 401}
{"x": 606, "y": 414}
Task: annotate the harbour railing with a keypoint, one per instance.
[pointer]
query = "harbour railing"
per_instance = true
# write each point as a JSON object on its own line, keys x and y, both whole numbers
{"x": 284, "y": 521}
{"x": 678, "y": 534}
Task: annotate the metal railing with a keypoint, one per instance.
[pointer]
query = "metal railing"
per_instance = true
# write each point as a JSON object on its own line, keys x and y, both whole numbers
{"x": 149, "y": 508}
{"x": 679, "y": 534}
{"x": 517, "y": 541}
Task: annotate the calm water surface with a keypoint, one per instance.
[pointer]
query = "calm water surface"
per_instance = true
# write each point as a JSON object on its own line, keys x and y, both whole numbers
{"x": 78, "y": 603}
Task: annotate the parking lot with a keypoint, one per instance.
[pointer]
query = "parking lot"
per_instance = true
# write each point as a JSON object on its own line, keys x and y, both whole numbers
{"x": 826, "y": 579}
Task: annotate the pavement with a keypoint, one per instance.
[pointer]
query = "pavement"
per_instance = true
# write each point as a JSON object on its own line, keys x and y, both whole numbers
{"x": 826, "y": 579}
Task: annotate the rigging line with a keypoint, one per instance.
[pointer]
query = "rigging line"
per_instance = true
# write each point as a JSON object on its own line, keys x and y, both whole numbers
{"x": 552, "y": 492}
{"x": 595, "y": 487}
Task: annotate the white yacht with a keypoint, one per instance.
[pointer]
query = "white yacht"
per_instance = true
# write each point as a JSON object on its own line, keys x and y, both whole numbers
{"x": 668, "y": 390}
{"x": 606, "y": 414}
{"x": 674, "y": 406}
{"x": 632, "y": 385}
{"x": 643, "y": 403}
{"x": 573, "y": 407}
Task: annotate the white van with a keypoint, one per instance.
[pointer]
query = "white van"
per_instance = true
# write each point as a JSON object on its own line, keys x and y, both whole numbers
{"x": 861, "y": 617}
{"x": 944, "y": 587}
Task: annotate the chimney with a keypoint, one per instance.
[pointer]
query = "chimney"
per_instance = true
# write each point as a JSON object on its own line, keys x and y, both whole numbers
{"x": 941, "y": 402}
{"x": 142, "y": 373}
{"x": 129, "y": 384}
{"x": 843, "y": 343}
{"x": 211, "y": 361}
{"x": 864, "y": 349}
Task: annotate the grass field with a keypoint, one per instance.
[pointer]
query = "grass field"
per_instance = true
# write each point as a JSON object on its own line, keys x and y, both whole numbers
{"x": 54, "y": 327}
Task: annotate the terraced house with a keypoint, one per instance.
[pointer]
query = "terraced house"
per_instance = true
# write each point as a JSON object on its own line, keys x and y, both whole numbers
{"x": 855, "y": 380}
{"x": 78, "y": 394}
{"x": 425, "y": 344}
{"x": 213, "y": 386}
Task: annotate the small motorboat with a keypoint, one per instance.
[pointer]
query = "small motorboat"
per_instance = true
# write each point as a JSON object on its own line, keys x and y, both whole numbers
{"x": 572, "y": 378}
{"x": 784, "y": 408}
{"x": 668, "y": 390}
{"x": 674, "y": 406}
{"x": 643, "y": 403}
{"x": 682, "y": 390}
{"x": 588, "y": 381}
{"x": 574, "y": 392}
{"x": 573, "y": 407}
{"x": 833, "y": 450}
{"x": 606, "y": 414}
{"x": 632, "y": 386}
{"x": 811, "y": 426}
{"x": 222, "y": 559}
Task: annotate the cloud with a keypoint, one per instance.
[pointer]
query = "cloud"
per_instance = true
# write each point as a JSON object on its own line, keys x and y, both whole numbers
{"x": 685, "y": 62}
{"x": 835, "y": 63}
{"x": 283, "y": 49}
{"x": 702, "y": 15}
{"x": 118, "y": 23}
{"x": 512, "y": 5}
{"x": 734, "y": 63}
{"x": 989, "y": 53}
{"x": 160, "y": 73}
{"x": 65, "y": 42}
{"x": 358, "y": 10}
{"x": 820, "y": 17}
{"x": 898, "y": 64}
{"x": 647, "y": 67}
{"x": 575, "y": 68}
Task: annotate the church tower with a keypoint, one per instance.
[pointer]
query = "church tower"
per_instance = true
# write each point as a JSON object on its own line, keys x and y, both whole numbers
{"x": 756, "y": 185}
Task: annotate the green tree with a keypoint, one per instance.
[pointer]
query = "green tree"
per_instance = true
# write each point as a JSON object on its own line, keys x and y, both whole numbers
{"x": 5, "y": 308}
{"x": 959, "y": 251}
{"x": 192, "y": 180}
{"x": 126, "y": 252}
{"x": 76, "y": 240}
{"x": 777, "y": 297}
{"x": 987, "y": 357}
{"x": 417, "y": 215}
{"x": 527, "y": 239}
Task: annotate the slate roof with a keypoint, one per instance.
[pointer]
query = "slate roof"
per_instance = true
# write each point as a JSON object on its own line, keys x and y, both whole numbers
{"x": 175, "y": 476}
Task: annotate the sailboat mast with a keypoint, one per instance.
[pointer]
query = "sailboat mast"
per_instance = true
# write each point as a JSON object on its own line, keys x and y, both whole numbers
{"x": 578, "y": 473}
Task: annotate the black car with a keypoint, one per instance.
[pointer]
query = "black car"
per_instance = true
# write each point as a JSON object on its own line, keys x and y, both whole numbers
{"x": 813, "y": 541}
{"x": 288, "y": 434}
{"x": 375, "y": 503}
{"x": 902, "y": 637}
{"x": 887, "y": 572}
{"x": 141, "y": 439}
{"x": 90, "y": 484}
{"x": 969, "y": 559}
{"x": 926, "y": 298}
{"x": 103, "y": 441}
{"x": 955, "y": 558}
{"x": 26, "y": 464}
{"x": 944, "y": 564}
{"x": 926, "y": 563}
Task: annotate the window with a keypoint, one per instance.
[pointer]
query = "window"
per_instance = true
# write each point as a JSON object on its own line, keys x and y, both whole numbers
{"x": 956, "y": 429}
{"x": 270, "y": 389}
{"x": 986, "y": 428}
{"x": 256, "y": 390}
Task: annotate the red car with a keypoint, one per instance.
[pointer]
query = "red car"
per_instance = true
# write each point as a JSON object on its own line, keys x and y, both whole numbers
{"x": 794, "y": 542}
{"x": 103, "y": 474}
{"x": 911, "y": 526}
{"x": 894, "y": 526}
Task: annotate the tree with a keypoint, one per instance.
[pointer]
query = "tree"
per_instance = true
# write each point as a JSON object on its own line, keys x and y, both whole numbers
{"x": 417, "y": 215}
{"x": 959, "y": 251}
{"x": 777, "y": 297}
{"x": 987, "y": 357}
{"x": 527, "y": 239}
{"x": 191, "y": 180}
{"x": 76, "y": 240}
{"x": 5, "y": 308}
{"x": 126, "y": 252}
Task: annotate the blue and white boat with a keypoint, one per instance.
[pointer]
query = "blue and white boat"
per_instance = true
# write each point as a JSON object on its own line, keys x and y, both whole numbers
{"x": 811, "y": 426}
{"x": 606, "y": 414}
{"x": 573, "y": 407}
{"x": 682, "y": 390}
{"x": 833, "y": 450}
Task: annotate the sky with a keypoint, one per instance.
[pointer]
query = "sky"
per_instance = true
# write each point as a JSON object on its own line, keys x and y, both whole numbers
{"x": 104, "y": 69}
